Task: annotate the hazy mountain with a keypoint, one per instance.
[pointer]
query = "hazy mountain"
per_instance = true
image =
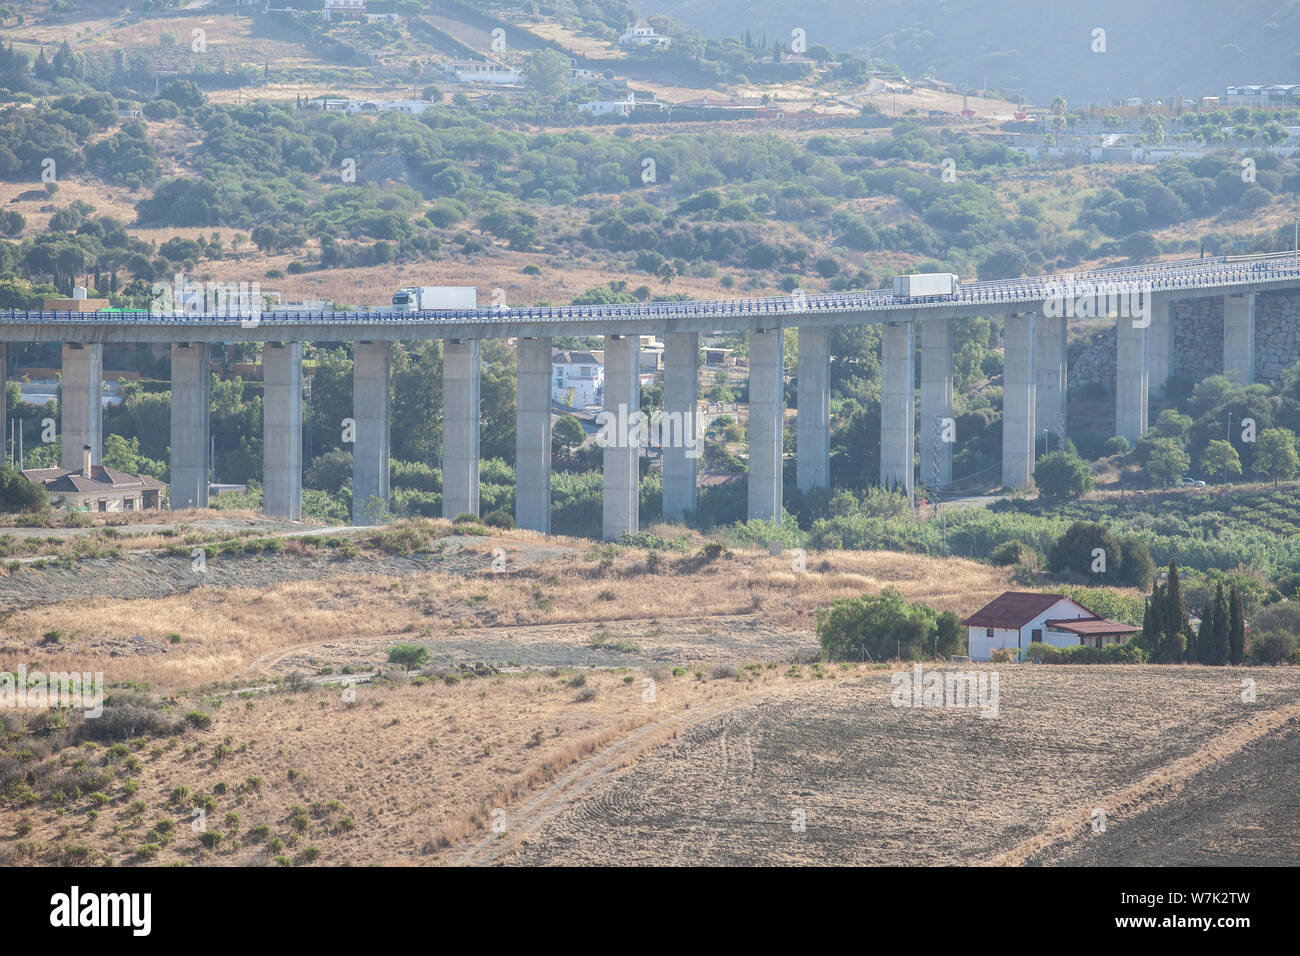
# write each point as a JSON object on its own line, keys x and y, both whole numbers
{"x": 1153, "y": 47}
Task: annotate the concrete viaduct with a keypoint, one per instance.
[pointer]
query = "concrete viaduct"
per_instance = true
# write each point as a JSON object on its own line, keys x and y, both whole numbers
{"x": 1033, "y": 396}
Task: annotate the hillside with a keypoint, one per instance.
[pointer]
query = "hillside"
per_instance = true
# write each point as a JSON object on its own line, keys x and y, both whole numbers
{"x": 1040, "y": 49}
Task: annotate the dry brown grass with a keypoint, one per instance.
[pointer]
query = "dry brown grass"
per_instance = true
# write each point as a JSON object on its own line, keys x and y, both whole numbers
{"x": 414, "y": 768}
{"x": 227, "y": 632}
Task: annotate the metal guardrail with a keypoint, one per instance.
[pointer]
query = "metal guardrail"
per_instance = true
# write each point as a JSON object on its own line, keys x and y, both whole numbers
{"x": 1193, "y": 274}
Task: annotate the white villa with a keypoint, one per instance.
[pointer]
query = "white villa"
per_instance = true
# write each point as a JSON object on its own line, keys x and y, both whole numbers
{"x": 642, "y": 34}
{"x": 577, "y": 377}
{"x": 480, "y": 71}
{"x": 1017, "y": 619}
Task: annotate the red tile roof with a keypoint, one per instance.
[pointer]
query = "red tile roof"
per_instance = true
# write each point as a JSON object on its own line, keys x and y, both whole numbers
{"x": 1093, "y": 625}
{"x": 103, "y": 479}
{"x": 1013, "y": 609}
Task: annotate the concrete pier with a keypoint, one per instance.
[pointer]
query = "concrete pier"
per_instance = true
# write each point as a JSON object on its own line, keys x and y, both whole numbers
{"x": 680, "y": 427}
{"x": 1018, "y": 402}
{"x": 282, "y": 430}
{"x": 937, "y": 417}
{"x": 533, "y": 435}
{"x": 191, "y": 405}
{"x": 897, "y": 405}
{"x": 1239, "y": 337}
{"x": 371, "y": 366}
{"x": 1160, "y": 345}
{"x": 766, "y": 411}
{"x": 812, "y": 422}
{"x": 620, "y": 509}
{"x": 1132, "y": 378}
{"x": 81, "y": 410}
{"x": 460, "y": 427}
{"x": 1050, "y": 381}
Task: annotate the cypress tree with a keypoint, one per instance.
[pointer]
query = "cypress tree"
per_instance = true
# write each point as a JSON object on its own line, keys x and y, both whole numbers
{"x": 1176, "y": 628}
{"x": 1205, "y": 634}
{"x": 1220, "y": 652}
{"x": 1236, "y": 628}
{"x": 1147, "y": 639}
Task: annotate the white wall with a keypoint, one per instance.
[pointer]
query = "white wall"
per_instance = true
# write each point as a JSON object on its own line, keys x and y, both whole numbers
{"x": 980, "y": 647}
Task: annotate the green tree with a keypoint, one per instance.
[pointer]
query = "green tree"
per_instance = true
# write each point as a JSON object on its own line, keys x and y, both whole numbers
{"x": 546, "y": 71}
{"x": 1221, "y": 460}
{"x": 1062, "y": 474}
{"x": 1236, "y": 627}
{"x": 408, "y": 656}
{"x": 1076, "y": 551}
{"x": 566, "y": 435}
{"x": 1166, "y": 462}
{"x": 1275, "y": 454}
{"x": 885, "y": 627}
{"x": 1220, "y": 651}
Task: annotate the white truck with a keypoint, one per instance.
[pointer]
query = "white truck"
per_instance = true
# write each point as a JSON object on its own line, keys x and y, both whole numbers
{"x": 422, "y": 297}
{"x": 925, "y": 285}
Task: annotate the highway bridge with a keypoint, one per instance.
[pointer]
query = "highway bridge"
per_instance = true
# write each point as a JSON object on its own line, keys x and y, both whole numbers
{"x": 1140, "y": 298}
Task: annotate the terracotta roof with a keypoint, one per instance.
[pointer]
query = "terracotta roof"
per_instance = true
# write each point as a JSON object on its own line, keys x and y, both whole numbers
{"x": 1093, "y": 625}
{"x": 103, "y": 479}
{"x": 1012, "y": 609}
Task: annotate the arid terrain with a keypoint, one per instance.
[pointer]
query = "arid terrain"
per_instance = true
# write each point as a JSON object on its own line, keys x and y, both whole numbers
{"x": 587, "y": 704}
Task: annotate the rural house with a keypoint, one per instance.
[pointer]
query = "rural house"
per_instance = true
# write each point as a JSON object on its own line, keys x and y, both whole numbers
{"x": 97, "y": 488}
{"x": 1016, "y": 619}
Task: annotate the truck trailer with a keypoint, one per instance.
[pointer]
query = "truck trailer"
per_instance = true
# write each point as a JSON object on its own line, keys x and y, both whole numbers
{"x": 423, "y": 297}
{"x": 925, "y": 285}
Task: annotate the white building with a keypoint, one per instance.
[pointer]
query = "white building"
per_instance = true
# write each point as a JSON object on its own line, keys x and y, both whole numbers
{"x": 412, "y": 107}
{"x": 577, "y": 377}
{"x": 1017, "y": 619}
{"x": 642, "y": 34}
{"x": 623, "y": 107}
{"x": 480, "y": 71}
{"x": 344, "y": 10}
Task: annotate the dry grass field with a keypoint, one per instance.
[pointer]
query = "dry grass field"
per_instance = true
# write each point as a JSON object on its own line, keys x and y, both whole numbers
{"x": 596, "y": 704}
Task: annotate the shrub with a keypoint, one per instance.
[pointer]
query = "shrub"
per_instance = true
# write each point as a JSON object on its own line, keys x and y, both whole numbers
{"x": 1014, "y": 551}
{"x": 1272, "y": 647}
{"x": 408, "y": 656}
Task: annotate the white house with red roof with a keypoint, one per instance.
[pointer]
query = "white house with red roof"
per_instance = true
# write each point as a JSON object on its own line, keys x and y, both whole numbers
{"x": 1016, "y": 619}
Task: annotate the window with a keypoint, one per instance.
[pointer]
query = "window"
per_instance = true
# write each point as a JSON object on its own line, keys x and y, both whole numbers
{"x": 1036, "y": 636}
{"x": 988, "y": 632}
